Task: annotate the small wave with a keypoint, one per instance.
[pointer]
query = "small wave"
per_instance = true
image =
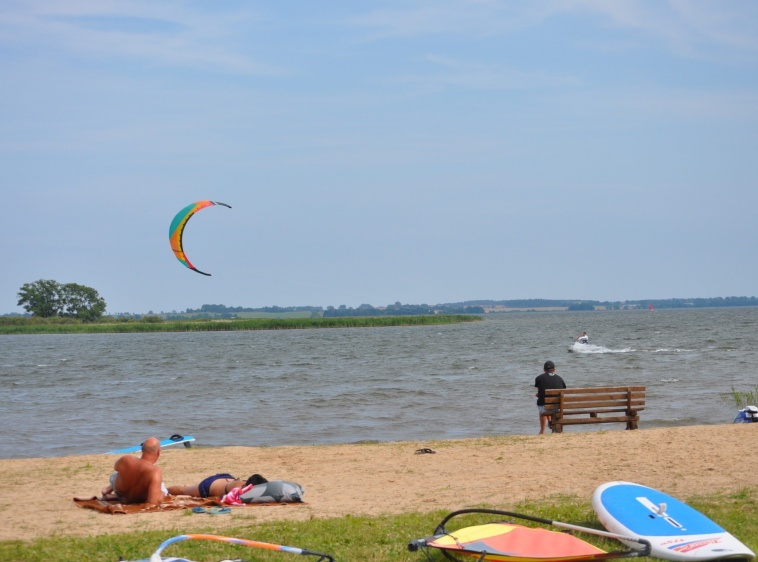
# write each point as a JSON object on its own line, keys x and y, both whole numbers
{"x": 588, "y": 348}
{"x": 669, "y": 380}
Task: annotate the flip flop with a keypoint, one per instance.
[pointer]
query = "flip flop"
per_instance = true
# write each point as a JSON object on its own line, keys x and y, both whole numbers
{"x": 211, "y": 511}
{"x": 426, "y": 450}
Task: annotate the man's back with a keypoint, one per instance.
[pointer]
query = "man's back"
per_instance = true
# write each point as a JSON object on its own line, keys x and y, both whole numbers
{"x": 139, "y": 480}
{"x": 545, "y": 381}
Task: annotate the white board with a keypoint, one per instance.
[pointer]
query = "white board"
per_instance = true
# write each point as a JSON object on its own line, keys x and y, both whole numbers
{"x": 675, "y": 530}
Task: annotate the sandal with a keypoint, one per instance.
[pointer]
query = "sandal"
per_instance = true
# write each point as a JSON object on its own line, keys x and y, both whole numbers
{"x": 211, "y": 511}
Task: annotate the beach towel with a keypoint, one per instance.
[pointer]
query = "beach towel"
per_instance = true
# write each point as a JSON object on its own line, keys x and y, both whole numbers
{"x": 115, "y": 507}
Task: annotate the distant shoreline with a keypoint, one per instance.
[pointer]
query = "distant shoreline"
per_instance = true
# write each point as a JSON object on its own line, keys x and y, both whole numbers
{"x": 39, "y": 326}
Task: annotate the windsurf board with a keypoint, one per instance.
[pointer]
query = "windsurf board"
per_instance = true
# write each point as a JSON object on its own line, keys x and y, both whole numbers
{"x": 675, "y": 530}
{"x": 173, "y": 440}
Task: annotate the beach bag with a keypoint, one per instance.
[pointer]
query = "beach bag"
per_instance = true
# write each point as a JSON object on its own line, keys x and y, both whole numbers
{"x": 747, "y": 415}
{"x": 276, "y": 491}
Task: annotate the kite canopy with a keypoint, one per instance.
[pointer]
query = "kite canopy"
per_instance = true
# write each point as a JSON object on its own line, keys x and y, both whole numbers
{"x": 510, "y": 542}
{"x": 176, "y": 230}
{"x": 516, "y": 543}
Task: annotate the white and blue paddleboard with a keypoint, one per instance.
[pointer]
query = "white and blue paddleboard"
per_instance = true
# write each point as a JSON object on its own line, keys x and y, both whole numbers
{"x": 675, "y": 530}
{"x": 173, "y": 440}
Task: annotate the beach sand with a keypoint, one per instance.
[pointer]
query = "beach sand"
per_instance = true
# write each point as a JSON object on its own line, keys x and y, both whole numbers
{"x": 389, "y": 478}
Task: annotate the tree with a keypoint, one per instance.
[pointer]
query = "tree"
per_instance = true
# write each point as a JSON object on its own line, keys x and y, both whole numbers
{"x": 82, "y": 302}
{"x": 41, "y": 298}
{"x": 47, "y": 298}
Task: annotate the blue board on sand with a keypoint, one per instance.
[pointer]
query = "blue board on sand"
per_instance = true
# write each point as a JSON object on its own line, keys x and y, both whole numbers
{"x": 675, "y": 530}
{"x": 173, "y": 440}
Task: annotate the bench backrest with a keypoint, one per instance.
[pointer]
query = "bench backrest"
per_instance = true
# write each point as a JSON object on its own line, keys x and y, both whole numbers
{"x": 595, "y": 399}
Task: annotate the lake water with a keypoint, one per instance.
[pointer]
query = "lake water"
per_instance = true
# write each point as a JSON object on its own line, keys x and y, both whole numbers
{"x": 82, "y": 394}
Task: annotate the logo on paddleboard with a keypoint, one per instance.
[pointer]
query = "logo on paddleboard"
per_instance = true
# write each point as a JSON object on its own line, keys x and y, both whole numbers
{"x": 694, "y": 545}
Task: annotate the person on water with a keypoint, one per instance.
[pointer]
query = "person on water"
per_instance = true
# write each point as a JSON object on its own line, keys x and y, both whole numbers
{"x": 584, "y": 338}
{"x": 138, "y": 480}
{"x": 217, "y": 485}
{"x": 548, "y": 379}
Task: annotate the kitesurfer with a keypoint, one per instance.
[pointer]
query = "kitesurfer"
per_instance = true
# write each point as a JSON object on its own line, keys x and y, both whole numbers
{"x": 584, "y": 338}
{"x": 548, "y": 379}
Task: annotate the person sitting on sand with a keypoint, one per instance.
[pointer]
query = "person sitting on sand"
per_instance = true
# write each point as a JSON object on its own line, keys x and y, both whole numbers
{"x": 138, "y": 480}
{"x": 217, "y": 485}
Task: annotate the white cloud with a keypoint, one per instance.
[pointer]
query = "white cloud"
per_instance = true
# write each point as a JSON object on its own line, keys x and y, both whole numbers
{"x": 155, "y": 33}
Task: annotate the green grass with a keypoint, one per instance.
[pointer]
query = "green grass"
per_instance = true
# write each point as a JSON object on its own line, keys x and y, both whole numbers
{"x": 34, "y": 326}
{"x": 374, "y": 539}
{"x": 742, "y": 398}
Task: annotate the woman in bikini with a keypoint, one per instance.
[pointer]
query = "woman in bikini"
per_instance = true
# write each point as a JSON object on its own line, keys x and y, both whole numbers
{"x": 217, "y": 485}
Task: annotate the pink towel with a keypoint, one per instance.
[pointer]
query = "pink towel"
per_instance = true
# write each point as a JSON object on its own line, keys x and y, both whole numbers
{"x": 233, "y": 497}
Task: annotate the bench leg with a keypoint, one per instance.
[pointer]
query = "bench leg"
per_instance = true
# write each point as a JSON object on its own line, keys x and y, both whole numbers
{"x": 555, "y": 424}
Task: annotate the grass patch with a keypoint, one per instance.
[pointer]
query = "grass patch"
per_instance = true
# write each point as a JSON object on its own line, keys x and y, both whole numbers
{"x": 740, "y": 398}
{"x": 376, "y": 539}
{"x": 34, "y": 326}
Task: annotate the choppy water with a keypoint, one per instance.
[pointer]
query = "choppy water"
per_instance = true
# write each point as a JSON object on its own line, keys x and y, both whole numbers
{"x": 81, "y": 394}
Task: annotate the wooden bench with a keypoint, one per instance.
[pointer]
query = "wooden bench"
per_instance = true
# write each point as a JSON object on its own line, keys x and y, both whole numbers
{"x": 613, "y": 404}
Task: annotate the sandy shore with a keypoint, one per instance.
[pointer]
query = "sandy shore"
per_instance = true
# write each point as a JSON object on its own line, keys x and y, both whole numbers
{"x": 389, "y": 478}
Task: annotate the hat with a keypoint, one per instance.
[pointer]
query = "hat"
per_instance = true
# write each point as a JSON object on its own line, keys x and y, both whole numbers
{"x": 549, "y": 365}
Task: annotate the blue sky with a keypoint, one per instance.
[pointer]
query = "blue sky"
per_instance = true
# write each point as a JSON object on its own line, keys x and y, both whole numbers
{"x": 373, "y": 152}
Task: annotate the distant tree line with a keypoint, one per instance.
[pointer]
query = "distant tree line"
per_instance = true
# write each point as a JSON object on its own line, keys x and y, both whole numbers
{"x": 577, "y": 304}
{"x": 701, "y": 303}
{"x": 466, "y": 307}
{"x": 396, "y": 309}
{"x": 221, "y": 309}
{"x": 46, "y": 298}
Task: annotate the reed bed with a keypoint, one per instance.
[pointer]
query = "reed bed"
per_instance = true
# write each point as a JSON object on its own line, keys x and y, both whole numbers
{"x": 227, "y": 325}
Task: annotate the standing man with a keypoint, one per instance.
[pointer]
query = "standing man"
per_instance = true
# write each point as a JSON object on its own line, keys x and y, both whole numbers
{"x": 138, "y": 480}
{"x": 546, "y": 380}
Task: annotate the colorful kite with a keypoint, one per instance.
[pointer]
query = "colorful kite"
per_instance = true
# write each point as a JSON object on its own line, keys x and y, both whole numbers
{"x": 176, "y": 230}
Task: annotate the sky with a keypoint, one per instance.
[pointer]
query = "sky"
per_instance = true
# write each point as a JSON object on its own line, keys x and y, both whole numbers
{"x": 415, "y": 151}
